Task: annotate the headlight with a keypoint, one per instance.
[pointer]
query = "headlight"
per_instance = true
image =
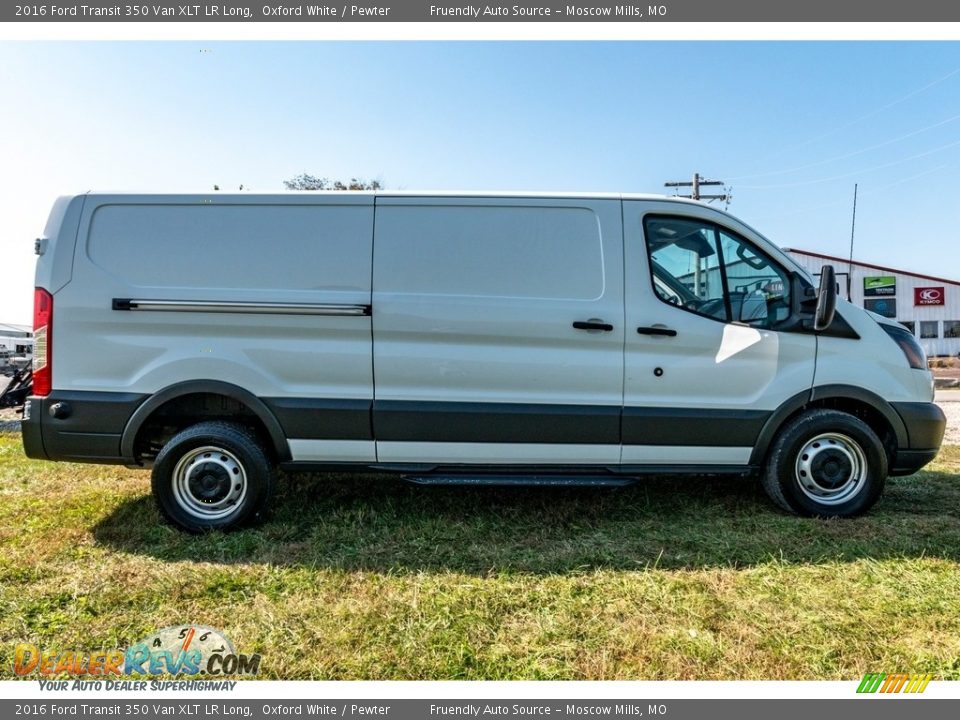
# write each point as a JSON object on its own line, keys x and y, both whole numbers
{"x": 908, "y": 344}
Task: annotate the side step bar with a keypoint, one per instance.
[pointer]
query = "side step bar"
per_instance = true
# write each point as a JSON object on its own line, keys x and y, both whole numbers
{"x": 489, "y": 479}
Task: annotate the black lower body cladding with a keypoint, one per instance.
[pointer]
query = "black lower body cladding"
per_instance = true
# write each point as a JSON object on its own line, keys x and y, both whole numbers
{"x": 85, "y": 426}
{"x": 78, "y": 426}
{"x": 925, "y": 423}
{"x": 89, "y": 426}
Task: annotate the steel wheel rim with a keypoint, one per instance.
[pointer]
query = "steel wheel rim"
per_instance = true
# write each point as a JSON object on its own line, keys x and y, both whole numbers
{"x": 209, "y": 483}
{"x": 831, "y": 468}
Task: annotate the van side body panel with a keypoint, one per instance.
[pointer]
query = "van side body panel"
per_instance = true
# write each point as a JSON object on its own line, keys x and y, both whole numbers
{"x": 476, "y": 357}
{"x": 884, "y": 380}
{"x": 54, "y": 268}
{"x": 886, "y": 374}
{"x": 713, "y": 385}
{"x": 55, "y": 264}
{"x": 293, "y": 263}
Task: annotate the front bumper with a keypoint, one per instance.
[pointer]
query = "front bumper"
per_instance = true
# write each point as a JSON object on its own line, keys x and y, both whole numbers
{"x": 925, "y": 424}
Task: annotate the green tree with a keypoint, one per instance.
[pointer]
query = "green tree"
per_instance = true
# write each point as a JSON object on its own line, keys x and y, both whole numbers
{"x": 305, "y": 181}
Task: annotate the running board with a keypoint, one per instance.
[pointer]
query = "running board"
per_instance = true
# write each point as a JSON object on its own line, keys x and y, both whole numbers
{"x": 521, "y": 480}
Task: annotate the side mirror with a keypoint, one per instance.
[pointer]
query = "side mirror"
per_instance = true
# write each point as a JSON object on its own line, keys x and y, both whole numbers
{"x": 826, "y": 299}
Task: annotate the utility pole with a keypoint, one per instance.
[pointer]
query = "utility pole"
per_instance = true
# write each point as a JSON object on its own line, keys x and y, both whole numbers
{"x": 695, "y": 185}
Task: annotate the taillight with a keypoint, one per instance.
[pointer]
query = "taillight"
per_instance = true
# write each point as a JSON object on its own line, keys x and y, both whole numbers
{"x": 42, "y": 325}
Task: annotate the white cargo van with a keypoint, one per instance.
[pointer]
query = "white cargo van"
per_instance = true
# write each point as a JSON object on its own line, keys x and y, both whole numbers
{"x": 457, "y": 338}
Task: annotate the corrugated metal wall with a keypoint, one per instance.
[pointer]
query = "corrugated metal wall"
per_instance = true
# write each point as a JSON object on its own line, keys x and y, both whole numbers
{"x": 927, "y": 320}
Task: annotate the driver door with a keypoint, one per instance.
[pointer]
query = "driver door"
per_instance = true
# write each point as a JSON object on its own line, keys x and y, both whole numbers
{"x": 705, "y": 364}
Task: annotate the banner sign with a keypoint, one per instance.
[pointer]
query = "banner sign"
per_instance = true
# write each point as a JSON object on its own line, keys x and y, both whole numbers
{"x": 882, "y": 706}
{"x": 530, "y": 11}
{"x": 879, "y": 285}
{"x": 929, "y": 295}
{"x": 882, "y": 306}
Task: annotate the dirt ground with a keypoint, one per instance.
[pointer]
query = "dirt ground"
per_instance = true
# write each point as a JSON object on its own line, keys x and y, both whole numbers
{"x": 949, "y": 401}
{"x": 945, "y": 368}
{"x": 6, "y": 414}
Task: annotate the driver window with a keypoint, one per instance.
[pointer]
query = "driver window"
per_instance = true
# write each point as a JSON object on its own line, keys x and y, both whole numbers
{"x": 759, "y": 289}
{"x": 711, "y": 272}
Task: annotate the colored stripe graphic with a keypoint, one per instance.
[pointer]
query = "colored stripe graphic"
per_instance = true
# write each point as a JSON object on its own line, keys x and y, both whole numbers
{"x": 898, "y": 680}
{"x": 894, "y": 683}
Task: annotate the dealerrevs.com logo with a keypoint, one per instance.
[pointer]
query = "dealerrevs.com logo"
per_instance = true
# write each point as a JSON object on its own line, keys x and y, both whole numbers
{"x": 191, "y": 650}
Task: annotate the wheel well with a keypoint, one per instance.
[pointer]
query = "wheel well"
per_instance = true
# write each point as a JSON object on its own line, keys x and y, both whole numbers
{"x": 181, "y": 412}
{"x": 861, "y": 410}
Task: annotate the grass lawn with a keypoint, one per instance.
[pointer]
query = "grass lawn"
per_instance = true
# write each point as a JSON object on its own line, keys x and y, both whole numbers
{"x": 367, "y": 578}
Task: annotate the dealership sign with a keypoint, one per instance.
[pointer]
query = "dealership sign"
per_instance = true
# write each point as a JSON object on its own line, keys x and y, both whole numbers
{"x": 879, "y": 286}
{"x": 928, "y": 296}
{"x": 887, "y": 307}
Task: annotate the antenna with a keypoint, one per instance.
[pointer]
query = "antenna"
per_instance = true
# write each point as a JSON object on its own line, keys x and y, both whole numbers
{"x": 853, "y": 227}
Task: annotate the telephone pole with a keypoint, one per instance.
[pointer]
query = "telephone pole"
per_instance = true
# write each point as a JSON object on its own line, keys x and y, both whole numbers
{"x": 695, "y": 185}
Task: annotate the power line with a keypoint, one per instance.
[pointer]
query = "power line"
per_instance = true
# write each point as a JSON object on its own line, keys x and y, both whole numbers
{"x": 855, "y": 172}
{"x": 902, "y": 181}
{"x": 852, "y": 153}
{"x": 870, "y": 114}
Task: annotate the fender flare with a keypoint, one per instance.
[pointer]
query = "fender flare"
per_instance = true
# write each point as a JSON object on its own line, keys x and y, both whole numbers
{"x": 826, "y": 392}
{"x": 217, "y": 387}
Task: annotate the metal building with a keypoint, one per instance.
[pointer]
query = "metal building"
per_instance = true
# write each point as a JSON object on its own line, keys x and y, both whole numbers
{"x": 16, "y": 338}
{"x": 16, "y": 347}
{"x": 927, "y": 305}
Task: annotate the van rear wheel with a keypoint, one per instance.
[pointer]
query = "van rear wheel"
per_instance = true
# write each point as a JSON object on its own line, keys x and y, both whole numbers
{"x": 826, "y": 463}
{"x": 213, "y": 476}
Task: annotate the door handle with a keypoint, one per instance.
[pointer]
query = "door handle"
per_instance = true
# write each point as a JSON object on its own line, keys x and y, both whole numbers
{"x": 592, "y": 325}
{"x": 668, "y": 332}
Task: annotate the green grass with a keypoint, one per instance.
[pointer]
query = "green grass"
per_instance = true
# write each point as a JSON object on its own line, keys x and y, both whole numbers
{"x": 367, "y": 578}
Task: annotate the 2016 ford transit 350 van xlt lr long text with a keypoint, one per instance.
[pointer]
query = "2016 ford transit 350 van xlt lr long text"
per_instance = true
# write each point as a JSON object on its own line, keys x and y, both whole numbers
{"x": 472, "y": 338}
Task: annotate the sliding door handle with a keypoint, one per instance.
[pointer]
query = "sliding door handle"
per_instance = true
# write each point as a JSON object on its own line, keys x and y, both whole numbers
{"x": 668, "y": 332}
{"x": 592, "y": 325}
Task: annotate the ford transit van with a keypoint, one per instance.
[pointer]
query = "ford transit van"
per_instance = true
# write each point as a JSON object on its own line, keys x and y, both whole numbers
{"x": 458, "y": 338}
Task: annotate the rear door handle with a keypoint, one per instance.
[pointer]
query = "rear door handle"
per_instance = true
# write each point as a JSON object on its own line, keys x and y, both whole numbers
{"x": 592, "y": 325}
{"x": 669, "y": 332}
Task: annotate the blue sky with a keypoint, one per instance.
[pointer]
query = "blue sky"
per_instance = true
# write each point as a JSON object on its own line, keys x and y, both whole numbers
{"x": 791, "y": 126}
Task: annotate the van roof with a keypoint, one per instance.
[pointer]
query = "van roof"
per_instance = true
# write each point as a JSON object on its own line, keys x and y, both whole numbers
{"x": 403, "y": 193}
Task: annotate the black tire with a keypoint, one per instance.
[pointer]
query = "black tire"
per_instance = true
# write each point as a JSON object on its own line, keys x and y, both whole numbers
{"x": 213, "y": 476}
{"x": 826, "y": 463}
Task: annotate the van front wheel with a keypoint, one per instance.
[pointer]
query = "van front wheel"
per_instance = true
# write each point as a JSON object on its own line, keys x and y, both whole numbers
{"x": 826, "y": 463}
{"x": 212, "y": 476}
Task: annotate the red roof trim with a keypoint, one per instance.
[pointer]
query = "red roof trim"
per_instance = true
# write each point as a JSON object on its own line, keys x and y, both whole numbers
{"x": 846, "y": 261}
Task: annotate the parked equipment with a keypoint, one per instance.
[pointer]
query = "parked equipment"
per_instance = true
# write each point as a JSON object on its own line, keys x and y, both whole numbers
{"x": 18, "y": 389}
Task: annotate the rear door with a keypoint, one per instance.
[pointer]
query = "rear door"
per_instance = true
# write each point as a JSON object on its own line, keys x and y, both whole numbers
{"x": 706, "y": 362}
{"x": 498, "y": 330}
